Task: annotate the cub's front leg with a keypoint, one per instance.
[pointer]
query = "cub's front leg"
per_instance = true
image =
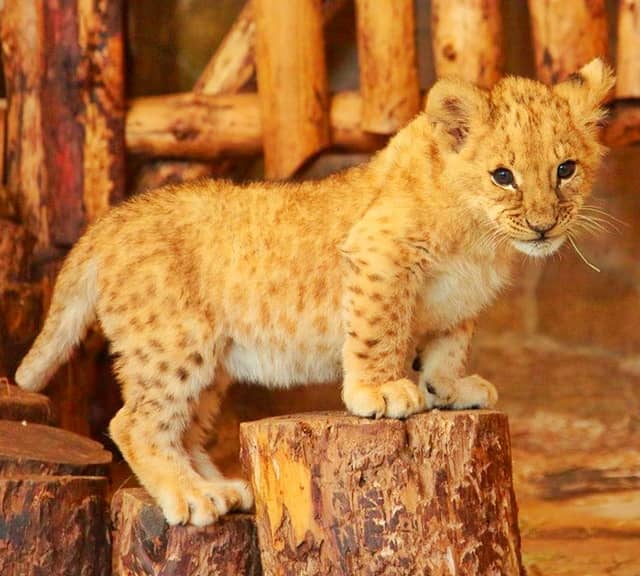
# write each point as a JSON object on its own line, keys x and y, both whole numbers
{"x": 443, "y": 372}
{"x": 378, "y": 311}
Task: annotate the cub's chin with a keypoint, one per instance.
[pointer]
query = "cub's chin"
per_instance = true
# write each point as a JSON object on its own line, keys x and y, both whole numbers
{"x": 539, "y": 248}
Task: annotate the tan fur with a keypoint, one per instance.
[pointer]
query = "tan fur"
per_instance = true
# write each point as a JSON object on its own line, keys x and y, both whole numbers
{"x": 286, "y": 284}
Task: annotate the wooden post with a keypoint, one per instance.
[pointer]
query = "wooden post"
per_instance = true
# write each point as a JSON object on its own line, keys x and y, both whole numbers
{"x": 64, "y": 69}
{"x": 467, "y": 40}
{"x": 567, "y": 35}
{"x": 628, "y": 61}
{"x": 143, "y": 543}
{"x": 388, "y": 66}
{"x": 292, "y": 83}
{"x": 336, "y": 494}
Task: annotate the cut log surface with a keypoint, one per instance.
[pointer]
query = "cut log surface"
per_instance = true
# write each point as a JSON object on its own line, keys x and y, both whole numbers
{"x": 53, "y": 525}
{"x": 143, "y": 543}
{"x": 27, "y": 448}
{"x": 336, "y": 494}
{"x": 628, "y": 60}
{"x": 17, "y": 404}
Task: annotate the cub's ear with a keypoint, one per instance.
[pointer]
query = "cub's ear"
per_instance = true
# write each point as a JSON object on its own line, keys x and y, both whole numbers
{"x": 586, "y": 90}
{"x": 454, "y": 106}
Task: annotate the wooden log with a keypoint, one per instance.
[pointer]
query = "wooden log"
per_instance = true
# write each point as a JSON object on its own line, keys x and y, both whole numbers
{"x": 567, "y": 35}
{"x": 63, "y": 70}
{"x": 623, "y": 127}
{"x": 200, "y": 126}
{"x": 467, "y": 40}
{"x": 628, "y": 51}
{"x": 20, "y": 405}
{"x": 27, "y": 448}
{"x": 292, "y": 83}
{"x": 143, "y": 543}
{"x": 159, "y": 173}
{"x": 388, "y": 65}
{"x": 54, "y": 525}
{"x": 336, "y": 494}
{"x": 3, "y": 136}
{"x": 15, "y": 249}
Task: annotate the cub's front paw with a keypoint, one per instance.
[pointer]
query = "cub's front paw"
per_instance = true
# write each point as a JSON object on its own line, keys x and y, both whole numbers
{"x": 468, "y": 392}
{"x": 395, "y": 399}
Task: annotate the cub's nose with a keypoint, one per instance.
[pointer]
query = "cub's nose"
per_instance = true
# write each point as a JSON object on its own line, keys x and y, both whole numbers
{"x": 541, "y": 227}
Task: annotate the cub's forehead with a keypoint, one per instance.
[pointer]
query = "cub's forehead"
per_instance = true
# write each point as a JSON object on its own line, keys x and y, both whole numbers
{"x": 520, "y": 97}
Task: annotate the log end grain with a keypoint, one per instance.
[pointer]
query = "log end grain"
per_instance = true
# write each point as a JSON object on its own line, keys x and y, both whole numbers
{"x": 143, "y": 543}
{"x": 27, "y": 448}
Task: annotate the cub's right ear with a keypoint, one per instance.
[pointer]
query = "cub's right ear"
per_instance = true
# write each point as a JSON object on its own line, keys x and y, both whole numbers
{"x": 453, "y": 106}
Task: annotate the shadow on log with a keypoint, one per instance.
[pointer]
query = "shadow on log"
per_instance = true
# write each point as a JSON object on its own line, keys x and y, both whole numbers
{"x": 336, "y": 494}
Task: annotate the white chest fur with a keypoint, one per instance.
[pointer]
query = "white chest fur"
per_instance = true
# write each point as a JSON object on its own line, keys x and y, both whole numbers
{"x": 459, "y": 288}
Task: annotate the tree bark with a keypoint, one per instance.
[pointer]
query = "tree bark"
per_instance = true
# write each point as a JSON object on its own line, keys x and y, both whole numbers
{"x": 17, "y": 404}
{"x": 567, "y": 35}
{"x": 54, "y": 525}
{"x": 628, "y": 60}
{"x": 41, "y": 450}
{"x": 388, "y": 66}
{"x": 292, "y": 83}
{"x": 467, "y": 40}
{"x": 336, "y": 494}
{"x": 143, "y": 543}
{"x": 64, "y": 70}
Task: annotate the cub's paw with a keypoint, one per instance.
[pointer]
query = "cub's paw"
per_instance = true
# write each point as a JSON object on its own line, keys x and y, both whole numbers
{"x": 468, "y": 392}
{"x": 230, "y": 495}
{"x": 395, "y": 399}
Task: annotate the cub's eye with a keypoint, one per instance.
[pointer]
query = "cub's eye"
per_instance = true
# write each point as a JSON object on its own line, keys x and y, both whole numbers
{"x": 503, "y": 177}
{"x": 566, "y": 169}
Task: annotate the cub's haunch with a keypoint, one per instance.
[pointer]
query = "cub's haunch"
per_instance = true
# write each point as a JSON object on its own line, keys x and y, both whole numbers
{"x": 345, "y": 278}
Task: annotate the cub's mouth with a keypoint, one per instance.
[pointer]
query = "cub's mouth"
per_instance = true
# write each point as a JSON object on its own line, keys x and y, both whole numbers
{"x": 538, "y": 247}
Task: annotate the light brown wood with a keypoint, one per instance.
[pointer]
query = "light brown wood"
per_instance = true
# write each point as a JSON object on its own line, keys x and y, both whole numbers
{"x": 623, "y": 127}
{"x": 20, "y": 405}
{"x": 143, "y": 543}
{"x": 292, "y": 83}
{"x": 336, "y": 494}
{"x": 200, "y": 126}
{"x": 628, "y": 51}
{"x": 388, "y": 65}
{"x": 467, "y": 40}
{"x": 3, "y": 136}
{"x": 567, "y": 35}
{"x": 54, "y": 525}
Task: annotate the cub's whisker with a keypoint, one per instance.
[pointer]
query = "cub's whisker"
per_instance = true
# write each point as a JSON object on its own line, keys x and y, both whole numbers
{"x": 582, "y": 256}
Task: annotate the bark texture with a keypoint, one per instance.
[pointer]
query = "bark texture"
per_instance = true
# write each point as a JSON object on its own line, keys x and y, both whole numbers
{"x": 292, "y": 83}
{"x": 56, "y": 526}
{"x": 336, "y": 494}
{"x": 63, "y": 65}
{"x": 17, "y": 404}
{"x": 567, "y": 35}
{"x": 143, "y": 543}
{"x": 388, "y": 66}
{"x": 38, "y": 449}
{"x": 467, "y": 40}
{"x": 628, "y": 60}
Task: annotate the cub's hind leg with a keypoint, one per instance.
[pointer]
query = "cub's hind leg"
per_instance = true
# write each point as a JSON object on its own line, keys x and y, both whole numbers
{"x": 233, "y": 494}
{"x": 162, "y": 383}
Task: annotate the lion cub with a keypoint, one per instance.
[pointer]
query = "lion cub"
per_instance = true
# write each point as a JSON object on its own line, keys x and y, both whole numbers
{"x": 284, "y": 284}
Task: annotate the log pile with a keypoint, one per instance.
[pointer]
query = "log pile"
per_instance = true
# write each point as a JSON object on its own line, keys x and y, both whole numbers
{"x": 336, "y": 494}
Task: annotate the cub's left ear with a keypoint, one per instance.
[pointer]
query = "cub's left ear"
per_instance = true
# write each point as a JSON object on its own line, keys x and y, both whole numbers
{"x": 587, "y": 89}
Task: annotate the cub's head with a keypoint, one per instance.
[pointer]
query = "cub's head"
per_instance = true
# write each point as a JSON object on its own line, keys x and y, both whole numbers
{"x": 523, "y": 156}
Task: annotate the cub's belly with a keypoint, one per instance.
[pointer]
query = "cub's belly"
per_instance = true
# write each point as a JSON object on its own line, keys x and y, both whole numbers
{"x": 284, "y": 367}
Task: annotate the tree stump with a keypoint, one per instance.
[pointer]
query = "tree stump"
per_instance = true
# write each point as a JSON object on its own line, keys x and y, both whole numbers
{"x": 54, "y": 525}
{"x": 53, "y": 491}
{"x": 143, "y": 543}
{"x": 336, "y": 494}
{"x": 18, "y": 404}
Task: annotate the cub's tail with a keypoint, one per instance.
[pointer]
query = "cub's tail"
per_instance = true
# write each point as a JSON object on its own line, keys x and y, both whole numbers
{"x": 72, "y": 310}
